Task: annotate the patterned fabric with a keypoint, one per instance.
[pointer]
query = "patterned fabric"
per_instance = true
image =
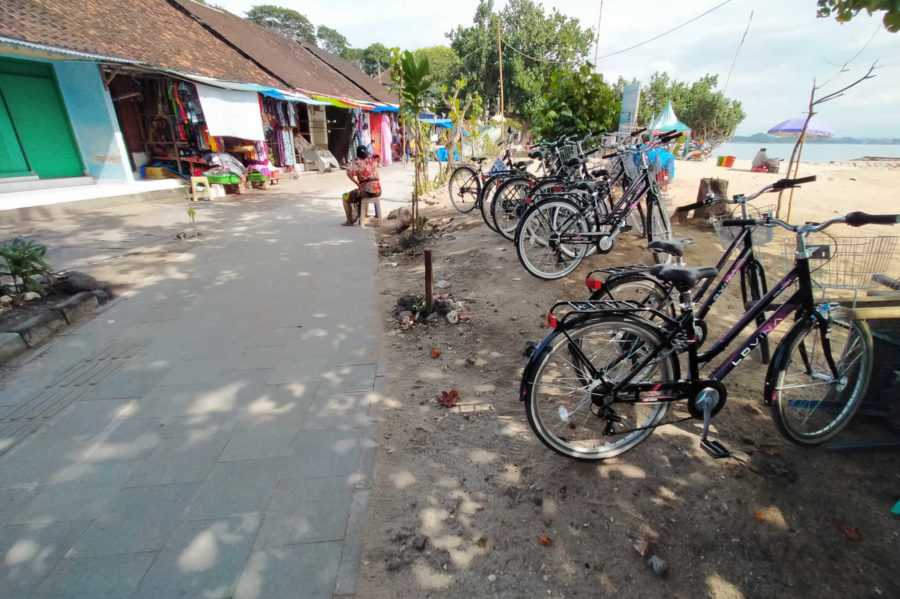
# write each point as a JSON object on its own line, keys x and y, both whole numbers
{"x": 366, "y": 172}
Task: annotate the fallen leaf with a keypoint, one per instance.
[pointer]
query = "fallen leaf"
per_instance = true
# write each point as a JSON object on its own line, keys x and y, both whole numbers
{"x": 435, "y": 353}
{"x": 544, "y": 539}
{"x": 851, "y": 533}
{"x": 448, "y": 399}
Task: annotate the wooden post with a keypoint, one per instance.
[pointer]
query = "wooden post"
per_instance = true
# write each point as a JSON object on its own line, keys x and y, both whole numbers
{"x": 429, "y": 300}
{"x": 500, "y": 63}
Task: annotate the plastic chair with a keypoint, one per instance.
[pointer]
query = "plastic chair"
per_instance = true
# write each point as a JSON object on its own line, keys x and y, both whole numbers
{"x": 364, "y": 209}
{"x": 200, "y": 189}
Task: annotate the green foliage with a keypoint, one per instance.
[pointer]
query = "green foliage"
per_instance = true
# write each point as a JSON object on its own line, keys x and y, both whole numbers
{"x": 576, "y": 102}
{"x": 375, "y": 58}
{"x": 286, "y": 21}
{"x": 710, "y": 115}
{"x": 332, "y": 41}
{"x": 24, "y": 258}
{"x": 551, "y": 42}
{"x": 414, "y": 74}
{"x": 192, "y": 215}
{"x": 845, "y": 10}
{"x": 445, "y": 64}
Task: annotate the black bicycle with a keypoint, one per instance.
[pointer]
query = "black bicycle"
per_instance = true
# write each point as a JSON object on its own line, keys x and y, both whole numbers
{"x": 605, "y": 377}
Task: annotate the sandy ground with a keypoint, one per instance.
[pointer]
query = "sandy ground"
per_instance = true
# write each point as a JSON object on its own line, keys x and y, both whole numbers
{"x": 464, "y": 496}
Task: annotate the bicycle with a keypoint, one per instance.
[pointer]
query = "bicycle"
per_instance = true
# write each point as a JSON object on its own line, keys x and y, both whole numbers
{"x": 593, "y": 402}
{"x": 638, "y": 284}
{"x": 556, "y": 231}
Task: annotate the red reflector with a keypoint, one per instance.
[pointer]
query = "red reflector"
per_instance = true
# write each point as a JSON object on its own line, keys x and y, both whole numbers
{"x": 557, "y": 188}
{"x": 552, "y": 322}
{"x": 593, "y": 284}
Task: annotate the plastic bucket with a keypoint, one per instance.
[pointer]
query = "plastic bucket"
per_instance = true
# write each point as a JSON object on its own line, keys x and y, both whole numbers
{"x": 720, "y": 160}
{"x": 729, "y": 161}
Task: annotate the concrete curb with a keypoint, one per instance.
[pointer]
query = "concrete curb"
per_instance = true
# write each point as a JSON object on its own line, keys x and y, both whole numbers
{"x": 38, "y": 329}
{"x": 77, "y": 307}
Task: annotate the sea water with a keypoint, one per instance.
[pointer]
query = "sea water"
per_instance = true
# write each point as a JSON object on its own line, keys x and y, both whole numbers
{"x": 811, "y": 152}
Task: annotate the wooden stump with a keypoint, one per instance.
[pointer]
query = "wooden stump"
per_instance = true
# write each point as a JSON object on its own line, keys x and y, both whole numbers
{"x": 718, "y": 188}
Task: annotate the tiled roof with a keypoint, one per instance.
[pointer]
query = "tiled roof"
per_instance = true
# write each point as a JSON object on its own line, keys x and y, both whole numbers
{"x": 352, "y": 72}
{"x": 277, "y": 54}
{"x": 153, "y": 32}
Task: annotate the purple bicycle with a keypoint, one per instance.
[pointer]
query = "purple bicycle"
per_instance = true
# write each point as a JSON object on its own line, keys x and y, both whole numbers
{"x": 605, "y": 377}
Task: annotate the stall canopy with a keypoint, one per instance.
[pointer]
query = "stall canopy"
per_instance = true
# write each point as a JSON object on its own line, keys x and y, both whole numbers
{"x": 231, "y": 113}
{"x": 444, "y": 123}
{"x": 667, "y": 120}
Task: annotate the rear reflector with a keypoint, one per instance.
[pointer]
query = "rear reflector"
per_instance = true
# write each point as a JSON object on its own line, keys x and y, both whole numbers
{"x": 552, "y": 322}
{"x": 593, "y": 284}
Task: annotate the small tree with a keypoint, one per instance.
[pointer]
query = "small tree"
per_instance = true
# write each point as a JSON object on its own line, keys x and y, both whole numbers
{"x": 415, "y": 82}
{"x": 576, "y": 102}
{"x": 458, "y": 110}
{"x": 24, "y": 259}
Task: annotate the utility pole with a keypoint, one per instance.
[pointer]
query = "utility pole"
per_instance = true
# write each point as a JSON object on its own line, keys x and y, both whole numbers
{"x": 500, "y": 55}
{"x": 597, "y": 40}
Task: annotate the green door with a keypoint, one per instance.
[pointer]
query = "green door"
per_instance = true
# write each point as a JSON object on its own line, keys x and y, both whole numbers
{"x": 12, "y": 159}
{"x": 40, "y": 120}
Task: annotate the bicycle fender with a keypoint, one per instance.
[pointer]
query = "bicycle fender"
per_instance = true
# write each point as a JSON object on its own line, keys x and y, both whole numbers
{"x": 614, "y": 277}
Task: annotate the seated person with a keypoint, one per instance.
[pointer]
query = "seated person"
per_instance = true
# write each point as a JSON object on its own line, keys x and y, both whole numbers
{"x": 364, "y": 172}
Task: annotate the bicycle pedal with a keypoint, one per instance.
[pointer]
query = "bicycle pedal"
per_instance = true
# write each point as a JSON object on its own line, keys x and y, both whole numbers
{"x": 715, "y": 449}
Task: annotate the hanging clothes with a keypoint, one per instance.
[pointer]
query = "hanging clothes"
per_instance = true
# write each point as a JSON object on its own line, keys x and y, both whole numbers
{"x": 375, "y": 123}
{"x": 288, "y": 158}
{"x": 387, "y": 142}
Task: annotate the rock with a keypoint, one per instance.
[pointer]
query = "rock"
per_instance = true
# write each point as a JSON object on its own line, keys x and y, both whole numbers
{"x": 643, "y": 547}
{"x": 406, "y": 318}
{"x": 5, "y": 300}
{"x": 492, "y": 577}
{"x": 11, "y": 345}
{"x": 452, "y": 317}
{"x": 74, "y": 281}
{"x": 40, "y": 327}
{"x": 419, "y": 542}
{"x": 30, "y": 296}
{"x": 442, "y": 284}
{"x": 403, "y": 216}
{"x": 658, "y": 565}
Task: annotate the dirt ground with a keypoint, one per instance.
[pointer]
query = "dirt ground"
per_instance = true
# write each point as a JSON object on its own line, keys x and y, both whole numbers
{"x": 468, "y": 503}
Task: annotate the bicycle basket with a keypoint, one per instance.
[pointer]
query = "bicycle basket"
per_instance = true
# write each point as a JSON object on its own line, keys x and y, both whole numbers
{"x": 761, "y": 235}
{"x": 845, "y": 263}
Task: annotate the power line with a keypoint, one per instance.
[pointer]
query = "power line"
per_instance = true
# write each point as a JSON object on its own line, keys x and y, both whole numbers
{"x": 665, "y": 33}
{"x": 843, "y": 68}
{"x": 736, "y": 52}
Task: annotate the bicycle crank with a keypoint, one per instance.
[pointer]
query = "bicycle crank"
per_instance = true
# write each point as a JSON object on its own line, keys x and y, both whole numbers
{"x": 706, "y": 404}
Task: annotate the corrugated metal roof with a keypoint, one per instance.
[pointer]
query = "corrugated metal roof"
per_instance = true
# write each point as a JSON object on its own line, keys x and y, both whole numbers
{"x": 150, "y": 32}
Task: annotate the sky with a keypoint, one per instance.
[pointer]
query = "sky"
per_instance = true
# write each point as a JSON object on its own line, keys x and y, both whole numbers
{"x": 786, "y": 48}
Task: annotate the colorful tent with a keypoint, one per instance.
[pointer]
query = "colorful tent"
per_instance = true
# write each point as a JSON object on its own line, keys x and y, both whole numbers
{"x": 667, "y": 120}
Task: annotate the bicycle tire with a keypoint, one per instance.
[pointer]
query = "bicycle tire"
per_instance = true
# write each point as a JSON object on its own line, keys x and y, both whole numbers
{"x": 753, "y": 288}
{"x": 556, "y": 341}
{"x": 860, "y": 336}
{"x": 462, "y": 177}
{"x": 484, "y": 202}
{"x": 510, "y": 195}
{"x": 547, "y": 213}
{"x": 638, "y": 288}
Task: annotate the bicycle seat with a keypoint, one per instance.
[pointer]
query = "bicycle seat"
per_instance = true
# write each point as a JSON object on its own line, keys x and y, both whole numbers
{"x": 535, "y": 154}
{"x": 600, "y": 172}
{"x": 586, "y": 185}
{"x": 673, "y": 247}
{"x": 682, "y": 277}
{"x": 479, "y": 159}
{"x": 521, "y": 165}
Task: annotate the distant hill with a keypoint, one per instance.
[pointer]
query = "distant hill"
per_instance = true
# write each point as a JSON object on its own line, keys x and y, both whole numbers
{"x": 765, "y": 138}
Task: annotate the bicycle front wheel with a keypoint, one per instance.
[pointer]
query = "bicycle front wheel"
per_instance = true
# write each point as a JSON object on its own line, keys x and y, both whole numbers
{"x": 538, "y": 239}
{"x": 487, "y": 194}
{"x": 507, "y": 204}
{"x": 809, "y": 404}
{"x": 560, "y": 401}
{"x": 465, "y": 187}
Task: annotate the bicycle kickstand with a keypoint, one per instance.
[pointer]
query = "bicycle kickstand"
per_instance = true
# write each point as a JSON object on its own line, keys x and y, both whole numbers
{"x": 708, "y": 399}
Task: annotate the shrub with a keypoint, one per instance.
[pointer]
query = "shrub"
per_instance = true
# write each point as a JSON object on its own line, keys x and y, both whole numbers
{"x": 24, "y": 259}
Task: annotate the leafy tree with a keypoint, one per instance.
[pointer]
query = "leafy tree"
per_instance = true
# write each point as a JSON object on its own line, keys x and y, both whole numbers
{"x": 444, "y": 63}
{"x": 845, "y": 10}
{"x": 286, "y": 21}
{"x": 375, "y": 58}
{"x": 536, "y": 44}
{"x": 710, "y": 115}
{"x": 576, "y": 102}
{"x": 332, "y": 41}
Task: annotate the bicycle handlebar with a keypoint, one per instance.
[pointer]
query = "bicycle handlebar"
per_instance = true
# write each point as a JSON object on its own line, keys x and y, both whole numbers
{"x": 858, "y": 219}
{"x": 788, "y": 183}
{"x": 853, "y": 219}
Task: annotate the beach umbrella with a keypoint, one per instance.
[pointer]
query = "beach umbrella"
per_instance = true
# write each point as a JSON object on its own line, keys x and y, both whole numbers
{"x": 793, "y": 127}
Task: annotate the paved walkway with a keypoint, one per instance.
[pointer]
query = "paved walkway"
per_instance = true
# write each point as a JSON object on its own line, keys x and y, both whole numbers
{"x": 211, "y": 434}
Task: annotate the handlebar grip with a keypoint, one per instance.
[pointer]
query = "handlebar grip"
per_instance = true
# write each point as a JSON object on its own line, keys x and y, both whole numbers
{"x": 613, "y": 155}
{"x": 638, "y": 132}
{"x": 858, "y": 219}
{"x": 739, "y": 222}
{"x": 594, "y": 151}
{"x": 668, "y": 136}
{"x": 788, "y": 183}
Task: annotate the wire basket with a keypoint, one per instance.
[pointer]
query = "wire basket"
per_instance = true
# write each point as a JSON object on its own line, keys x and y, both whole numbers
{"x": 761, "y": 235}
{"x": 845, "y": 263}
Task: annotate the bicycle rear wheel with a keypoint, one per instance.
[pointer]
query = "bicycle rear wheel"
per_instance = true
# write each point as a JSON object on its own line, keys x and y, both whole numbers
{"x": 464, "y": 187}
{"x": 537, "y": 239}
{"x": 810, "y": 405}
{"x": 507, "y": 204}
{"x": 560, "y": 401}
{"x": 487, "y": 194}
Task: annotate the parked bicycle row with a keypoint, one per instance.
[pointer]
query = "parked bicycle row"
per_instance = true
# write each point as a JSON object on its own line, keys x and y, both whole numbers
{"x": 608, "y": 372}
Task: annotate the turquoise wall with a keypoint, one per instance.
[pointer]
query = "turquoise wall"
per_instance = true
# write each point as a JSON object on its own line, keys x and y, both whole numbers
{"x": 93, "y": 120}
